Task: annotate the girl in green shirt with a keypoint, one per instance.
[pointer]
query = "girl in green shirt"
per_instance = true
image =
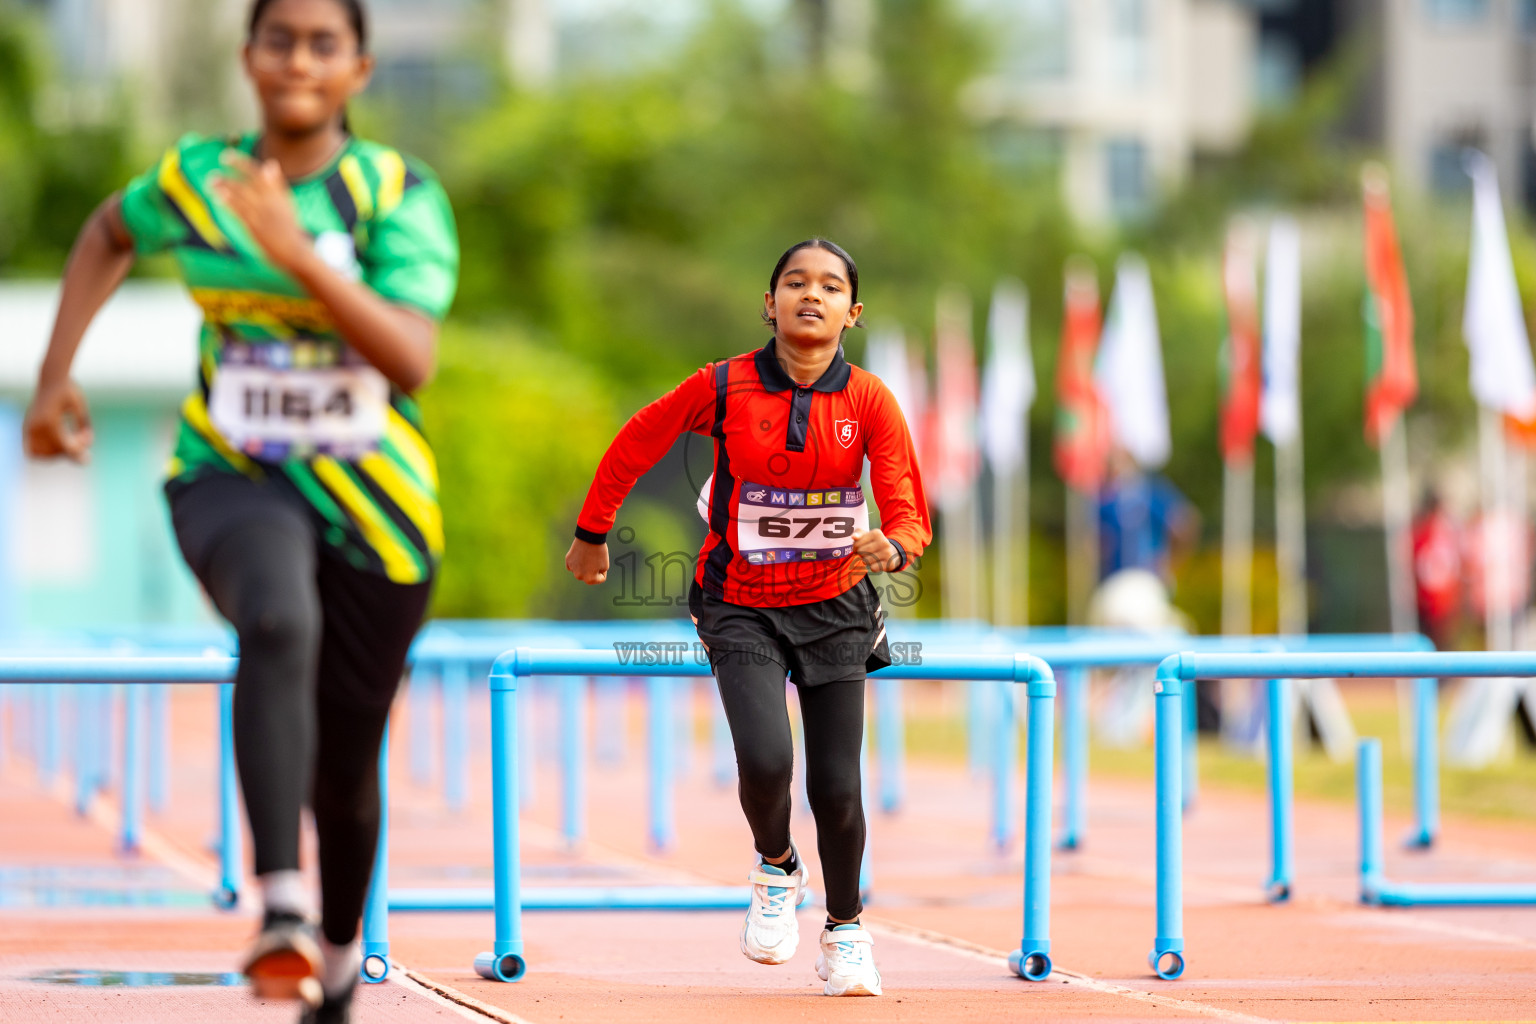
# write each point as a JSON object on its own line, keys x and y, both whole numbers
{"x": 302, "y": 492}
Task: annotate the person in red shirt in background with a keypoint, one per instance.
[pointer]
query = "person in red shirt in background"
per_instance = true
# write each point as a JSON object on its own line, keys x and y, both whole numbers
{"x": 782, "y": 582}
{"x": 1437, "y": 570}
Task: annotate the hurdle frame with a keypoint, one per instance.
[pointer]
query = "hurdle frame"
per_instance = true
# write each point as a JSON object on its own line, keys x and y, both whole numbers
{"x": 505, "y": 961}
{"x": 1180, "y": 670}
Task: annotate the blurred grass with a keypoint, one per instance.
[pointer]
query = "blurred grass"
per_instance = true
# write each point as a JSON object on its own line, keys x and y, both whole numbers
{"x": 1505, "y": 791}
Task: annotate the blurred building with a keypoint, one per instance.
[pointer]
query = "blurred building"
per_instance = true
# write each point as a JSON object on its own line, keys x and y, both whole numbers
{"x": 1120, "y": 95}
{"x": 1453, "y": 74}
{"x": 91, "y": 546}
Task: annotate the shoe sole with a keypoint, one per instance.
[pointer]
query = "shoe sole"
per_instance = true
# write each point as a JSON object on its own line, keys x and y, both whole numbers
{"x": 852, "y": 987}
{"x": 772, "y": 959}
{"x": 284, "y": 974}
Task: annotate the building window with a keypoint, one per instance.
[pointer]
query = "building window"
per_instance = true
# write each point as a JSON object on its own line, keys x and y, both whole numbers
{"x": 1447, "y": 169}
{"x": 1129, "y": 36}
{"x": 1525, "y": 16}
{"x": 1125, "y": 163}
{"x": 1456, "y": 12}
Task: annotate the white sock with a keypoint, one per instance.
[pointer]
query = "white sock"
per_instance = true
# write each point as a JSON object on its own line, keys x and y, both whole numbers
{"x": 284, "y": 892}
{"x": 342, "y": 964}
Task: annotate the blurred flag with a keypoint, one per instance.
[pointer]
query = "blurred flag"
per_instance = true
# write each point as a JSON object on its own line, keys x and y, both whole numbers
{"x": 1392, "y": 378}
{"x": 886, "y": 358}
{"x": 1082, "y": 422}
{"x": 1493, "y": 323}
{"x": 1129, "y": 369}
{"x": 1008, "y": 386}
{"x": 1240, "y": 404}
{"x": 955, "y": 456}
{"x": 1280, "y": 404}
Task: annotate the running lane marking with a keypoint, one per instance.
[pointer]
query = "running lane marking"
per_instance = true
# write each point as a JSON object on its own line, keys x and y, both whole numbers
{"x": 465, "y": 1006}
{"x": 976, "y": 951}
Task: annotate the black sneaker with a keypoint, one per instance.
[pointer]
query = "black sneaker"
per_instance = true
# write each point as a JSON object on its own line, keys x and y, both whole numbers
{"x": 284, "y": 961}
{"x": 331, "y": 1011}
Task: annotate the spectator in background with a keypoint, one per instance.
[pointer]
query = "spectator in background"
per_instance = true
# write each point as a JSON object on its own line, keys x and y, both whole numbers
{"x": 1437, "y": 570}
{"x": 1146, "y": 528}
{"x": 1144, "y": 521}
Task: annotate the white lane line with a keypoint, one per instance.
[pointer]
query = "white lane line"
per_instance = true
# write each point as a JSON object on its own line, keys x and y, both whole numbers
{"x": 999, "y": 958}
{"x": 466, "y": 1006}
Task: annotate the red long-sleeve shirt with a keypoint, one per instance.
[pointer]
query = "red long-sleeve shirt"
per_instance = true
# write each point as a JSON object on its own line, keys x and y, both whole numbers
{"x": 785, "y": 496}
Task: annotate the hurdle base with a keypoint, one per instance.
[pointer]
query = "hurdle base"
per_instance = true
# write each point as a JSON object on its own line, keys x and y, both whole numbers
{"x": 374, "y": 969}
{"x": 507, "y": 967}
{"x": 225, "y": 897}
{"x": 1031, "y": 961}
{"x": 1167, "y": 959}
{"x": 1277, "y": 891}
{"x": 1382, "y": 893}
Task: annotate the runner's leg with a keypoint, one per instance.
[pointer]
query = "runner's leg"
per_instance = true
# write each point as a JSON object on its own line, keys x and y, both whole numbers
{"x": 255, "y": 556}
{"x": 752, "y": 692}
{"x": 369, "y": 625}
{"x": 833, "y": 717}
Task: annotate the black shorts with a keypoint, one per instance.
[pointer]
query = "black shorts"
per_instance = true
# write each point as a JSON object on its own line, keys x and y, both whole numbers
{"x": 828, "y": 641}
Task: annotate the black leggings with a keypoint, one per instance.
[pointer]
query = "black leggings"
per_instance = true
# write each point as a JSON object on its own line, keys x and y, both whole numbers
{"x": 322, "y": 649}
{"x": 832, "y": 714}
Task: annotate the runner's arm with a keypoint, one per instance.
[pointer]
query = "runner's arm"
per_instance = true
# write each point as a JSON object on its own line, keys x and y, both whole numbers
{"x": 896, "y": 480}
{"x": 640, "y": 444}
{"x": 58, "y": 421}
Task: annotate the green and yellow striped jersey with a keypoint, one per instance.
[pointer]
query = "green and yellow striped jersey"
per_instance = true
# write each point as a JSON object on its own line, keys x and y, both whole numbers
{"x": 374, "y": 214}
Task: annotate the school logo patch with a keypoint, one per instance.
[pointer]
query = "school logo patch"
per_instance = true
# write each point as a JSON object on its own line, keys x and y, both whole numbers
{"x": 847, "y": 432}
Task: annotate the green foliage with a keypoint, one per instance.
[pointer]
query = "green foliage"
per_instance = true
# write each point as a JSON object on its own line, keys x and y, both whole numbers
{"x": 518, "y": 429}
{"x": 50, "y": 177}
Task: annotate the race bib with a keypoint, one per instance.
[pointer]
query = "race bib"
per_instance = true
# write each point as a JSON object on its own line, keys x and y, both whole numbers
{"x": 775, "y": 524}
{"x": 281, "y": 400}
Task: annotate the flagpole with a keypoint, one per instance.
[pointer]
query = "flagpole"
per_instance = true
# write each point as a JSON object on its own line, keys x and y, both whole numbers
{"x": 1291, "y": 537}
{"x": 1237, "y": 549}
{"x": 1082, "y": 551}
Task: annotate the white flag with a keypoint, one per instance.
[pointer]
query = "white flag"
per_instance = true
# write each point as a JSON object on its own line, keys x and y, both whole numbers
{"x": 1008, "y": 385}
{"x": 1493, "y": 324}
{"x": 1129, "y": 369}
{"x": 886, "y": 358}
{"x": 1280, "y": 404}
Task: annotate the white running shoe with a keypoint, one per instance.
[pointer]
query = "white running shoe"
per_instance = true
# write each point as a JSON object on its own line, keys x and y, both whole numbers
{"x": 770, "y": 934}
{"x": 847, "y": 962}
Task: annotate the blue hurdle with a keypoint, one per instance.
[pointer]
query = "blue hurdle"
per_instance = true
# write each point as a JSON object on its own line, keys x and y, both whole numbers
{"x": 82, "y": 671}
{"x": 505, "y": 961}
{"x": 1376, "y": 890}
{"x": 1179, "y": 671}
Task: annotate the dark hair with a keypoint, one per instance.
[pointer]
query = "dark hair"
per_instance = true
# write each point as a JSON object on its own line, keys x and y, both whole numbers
{"x": 357, "y": 17}
{"x": 816, "y": 243}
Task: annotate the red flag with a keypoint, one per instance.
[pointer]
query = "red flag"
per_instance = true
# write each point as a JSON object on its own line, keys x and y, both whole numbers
{"x": 1082, "y": 421}
{"x": 956, "y": 455}
{"x": 1392, "y": 379}
{"x": 1240, "y": 362}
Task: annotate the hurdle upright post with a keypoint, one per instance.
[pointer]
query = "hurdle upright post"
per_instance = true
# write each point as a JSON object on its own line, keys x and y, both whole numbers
{"x": 159, "y": 746}
{"x": 419, "y": 698}
{"x": 662, "y": 719}
{"x": 375, "y": 965}
{"x": 1282, "y": 834}
{"x": 891, "y": 743}
{"x": 1005, "y": 760}
{"x": 1032, "y": 960}
{"x": 133, "y": 776}
{"x": 230, "y": 853}
{"x": 505, "y": 960}
{"x": 454, "y": 674}
{"x": 573, "y": 759}
{"x": 1167, "y": 956}
{"x": 1074, "y": 757}
{"x": 1368, "y": 787}
{"x": 1426, "y": 763}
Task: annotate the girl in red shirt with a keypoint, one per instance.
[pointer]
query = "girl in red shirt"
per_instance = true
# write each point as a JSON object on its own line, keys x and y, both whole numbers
{"x": 781, "y": 586}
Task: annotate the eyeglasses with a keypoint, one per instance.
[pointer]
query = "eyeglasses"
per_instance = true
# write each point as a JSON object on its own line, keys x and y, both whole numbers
{"x": 274, "y": 51}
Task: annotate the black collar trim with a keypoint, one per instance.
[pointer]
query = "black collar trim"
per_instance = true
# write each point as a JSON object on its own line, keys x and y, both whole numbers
{"x": 766, "y": 359}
